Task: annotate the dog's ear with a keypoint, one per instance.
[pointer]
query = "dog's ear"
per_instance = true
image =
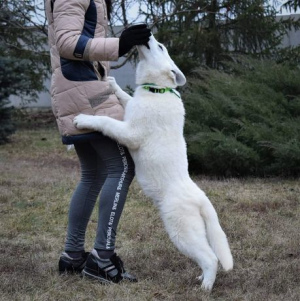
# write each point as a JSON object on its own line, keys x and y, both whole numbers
{"x": 178, "y": 76}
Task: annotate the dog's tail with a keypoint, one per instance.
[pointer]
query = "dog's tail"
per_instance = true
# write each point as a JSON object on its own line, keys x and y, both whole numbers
{"x": 215, "y": 234}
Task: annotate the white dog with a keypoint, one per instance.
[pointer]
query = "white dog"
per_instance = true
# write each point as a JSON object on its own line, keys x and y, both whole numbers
{"x": 153, "y": 132}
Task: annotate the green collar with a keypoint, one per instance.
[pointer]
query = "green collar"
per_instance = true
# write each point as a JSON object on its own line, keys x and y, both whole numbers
{"x": 156, "y": 89}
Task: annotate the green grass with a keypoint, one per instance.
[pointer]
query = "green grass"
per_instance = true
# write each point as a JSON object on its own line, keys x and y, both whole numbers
{"x": 260, "y": 216}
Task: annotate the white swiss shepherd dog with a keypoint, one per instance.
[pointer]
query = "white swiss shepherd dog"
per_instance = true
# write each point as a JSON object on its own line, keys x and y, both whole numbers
{"x": 152, "y": 130}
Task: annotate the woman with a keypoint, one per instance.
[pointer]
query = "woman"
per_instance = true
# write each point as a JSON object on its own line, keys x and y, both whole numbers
{"x": 80, "y": 51}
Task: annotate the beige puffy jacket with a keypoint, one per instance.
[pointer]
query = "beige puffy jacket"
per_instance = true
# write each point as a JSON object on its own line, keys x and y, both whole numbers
{"x": 80, "y": 51}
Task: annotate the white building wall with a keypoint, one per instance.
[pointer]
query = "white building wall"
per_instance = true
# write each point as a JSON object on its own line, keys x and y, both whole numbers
{"x": 292, "y": 38}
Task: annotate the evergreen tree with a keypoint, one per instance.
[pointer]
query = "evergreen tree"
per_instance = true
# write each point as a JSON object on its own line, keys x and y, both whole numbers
{"x": 6, "y": 126}
{"x": 24, "y": 59}
{"x": 246, "y": 121}
{"x": 292, "y": 5}
{"x": 202, "y": 32}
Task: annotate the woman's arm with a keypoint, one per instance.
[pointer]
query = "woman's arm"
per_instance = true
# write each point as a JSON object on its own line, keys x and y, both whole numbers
{"x": 71, "y": 40}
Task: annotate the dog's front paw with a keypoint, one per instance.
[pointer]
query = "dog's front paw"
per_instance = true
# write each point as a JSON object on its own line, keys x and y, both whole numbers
{"x": 113, "y": 83}
{"x": 83, "y": 121}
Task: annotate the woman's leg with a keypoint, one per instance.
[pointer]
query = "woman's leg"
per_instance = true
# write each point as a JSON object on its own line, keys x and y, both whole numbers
{"x": 93, "y": 175}
{"x": 120, "y": 172}
{"x": 104, "y": 163}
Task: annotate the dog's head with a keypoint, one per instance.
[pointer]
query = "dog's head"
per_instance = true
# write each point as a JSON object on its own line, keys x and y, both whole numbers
{"x": 156, "y": 66}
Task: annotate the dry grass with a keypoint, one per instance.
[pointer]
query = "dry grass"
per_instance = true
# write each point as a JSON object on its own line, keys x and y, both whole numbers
{"x": 260, "y": 217}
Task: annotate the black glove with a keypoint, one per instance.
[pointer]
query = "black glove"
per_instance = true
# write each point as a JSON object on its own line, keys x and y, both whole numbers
{"x": 133, "y": 35}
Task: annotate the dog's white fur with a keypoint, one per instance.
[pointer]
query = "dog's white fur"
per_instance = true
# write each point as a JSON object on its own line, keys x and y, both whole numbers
{"x": 153, "y": 132}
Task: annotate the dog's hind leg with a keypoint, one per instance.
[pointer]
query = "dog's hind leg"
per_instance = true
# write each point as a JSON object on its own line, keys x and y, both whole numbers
{"x": 186, "y": 229}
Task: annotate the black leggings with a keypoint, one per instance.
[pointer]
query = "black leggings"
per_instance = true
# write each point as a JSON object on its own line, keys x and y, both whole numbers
{"x": 104, "y": 165}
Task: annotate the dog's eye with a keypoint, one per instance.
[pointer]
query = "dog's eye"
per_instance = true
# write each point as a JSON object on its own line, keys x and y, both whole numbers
{"x": 161, "y": 47}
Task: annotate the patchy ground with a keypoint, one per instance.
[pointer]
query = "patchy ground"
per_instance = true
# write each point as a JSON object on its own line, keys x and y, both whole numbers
{"x": 260, "y": 216}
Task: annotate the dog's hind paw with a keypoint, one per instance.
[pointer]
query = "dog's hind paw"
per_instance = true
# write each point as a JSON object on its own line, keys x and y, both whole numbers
{"x": 206, "y": 285}
{"x": 200, "y": 278}
{"x": 83, "y": 121}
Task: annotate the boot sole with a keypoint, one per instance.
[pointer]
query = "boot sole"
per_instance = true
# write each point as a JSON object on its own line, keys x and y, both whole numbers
{"x": 94, "y": 277}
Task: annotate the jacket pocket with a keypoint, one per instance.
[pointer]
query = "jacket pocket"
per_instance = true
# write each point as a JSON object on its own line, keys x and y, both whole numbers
{"x": 77, "y": 70}
{"x": 98, "y": 99}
